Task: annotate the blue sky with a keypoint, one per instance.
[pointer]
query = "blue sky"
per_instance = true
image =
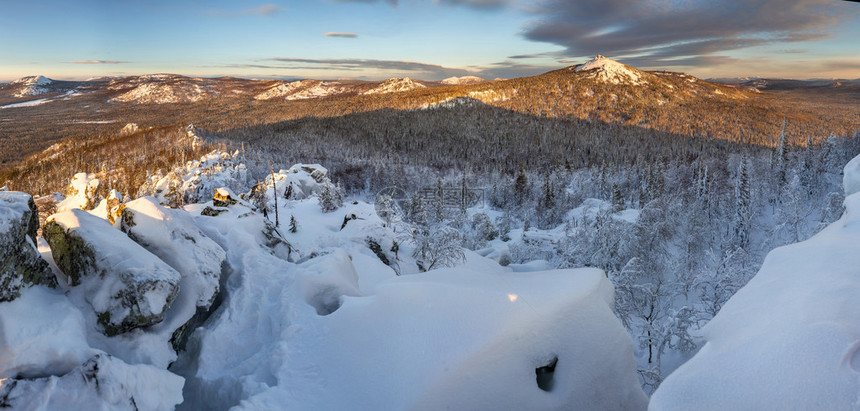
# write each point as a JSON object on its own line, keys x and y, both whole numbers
{"x": 427, "y": 39}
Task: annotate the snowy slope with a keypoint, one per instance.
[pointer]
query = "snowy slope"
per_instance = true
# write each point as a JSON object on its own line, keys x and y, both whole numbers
{"x": 610, "y": 71}
{"x": 31, "y": 85}
{"x": 790, "y": 338}
{"x": 395, "y": 85}
{"x": 463, "y": 80}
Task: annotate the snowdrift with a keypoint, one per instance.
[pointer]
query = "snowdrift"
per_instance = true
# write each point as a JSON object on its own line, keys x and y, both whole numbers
{"x": 790, "y": 338}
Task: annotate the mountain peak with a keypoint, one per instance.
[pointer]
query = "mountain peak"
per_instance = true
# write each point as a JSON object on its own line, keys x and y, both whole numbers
{"x": 609, "y": 70}
{"x": 33, "y": 81}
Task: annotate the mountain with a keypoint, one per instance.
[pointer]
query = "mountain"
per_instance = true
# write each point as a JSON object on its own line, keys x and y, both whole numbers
{"x": 600, "y": 90}
{"x": 457, "y": 81}
{"x": 395, "y": 85}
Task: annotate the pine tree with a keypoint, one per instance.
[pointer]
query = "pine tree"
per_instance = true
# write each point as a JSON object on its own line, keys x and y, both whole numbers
{"x": 520, "y": 186}
{"x": 293, "y": 226}
{"x": 548, "y": 192}
{"x": 259, "y": 198}
{"x": 330, "y": 198}
{"x": 617, "y": 198}
{"x": 743, "y": 206}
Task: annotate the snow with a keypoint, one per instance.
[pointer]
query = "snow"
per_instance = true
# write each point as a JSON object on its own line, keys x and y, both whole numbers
{"x": 47, "y": 340}
{"x": 395, "y": 85}
{"x": 321, "y": 89}
{"x": 493, "y": 96}
{"x": 32, "y": 85}
{"x": 82, "y": 193}
{"x": 463, "y": 80}
{"x": 30, "y": 103}
{"x": 851, "y": 177}
{"x": 173, "y": 236}
{"x": 283, "y": 89}
{"x": 13, "y": 206}
{"x": 102, "y": 383}
{"x": 117, "y": 264}
{"x": 610, "y": 71}
{"x": 790, "y": 338}
{"x": 159, "y": 93}
{"x": 339, "y": 330}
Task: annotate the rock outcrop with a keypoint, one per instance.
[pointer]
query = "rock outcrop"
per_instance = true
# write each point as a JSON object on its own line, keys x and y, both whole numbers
{"x": 127, "y": 286}
{"x": 20, "y": 262}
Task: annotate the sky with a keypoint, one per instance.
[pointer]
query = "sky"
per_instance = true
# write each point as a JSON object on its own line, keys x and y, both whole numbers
{"x": 425, "y": 39}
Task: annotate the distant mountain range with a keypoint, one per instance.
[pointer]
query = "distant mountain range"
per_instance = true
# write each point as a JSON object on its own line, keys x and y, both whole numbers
{"x": 748, "y": 110}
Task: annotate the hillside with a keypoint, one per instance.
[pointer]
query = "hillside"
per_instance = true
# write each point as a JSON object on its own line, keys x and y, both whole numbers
{"x": 600, "y": 90}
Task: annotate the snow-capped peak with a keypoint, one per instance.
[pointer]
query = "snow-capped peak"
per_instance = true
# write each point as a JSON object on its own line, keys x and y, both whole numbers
{"x": 610, "y": 70}
{"x": 463, "y": 80}
{"x": 395, "y": 85}
{"x": 32, "y": 85}
{"x": 33, "y": 81}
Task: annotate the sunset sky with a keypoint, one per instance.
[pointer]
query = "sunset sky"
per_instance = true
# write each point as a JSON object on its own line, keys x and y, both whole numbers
{"x": 426, "y": 39}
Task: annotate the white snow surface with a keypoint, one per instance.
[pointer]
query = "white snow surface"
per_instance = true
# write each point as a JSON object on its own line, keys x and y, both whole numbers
{"x": 610, "y": 71}
{"x": 173, "y": 237}
{"x": 790, "y": 338}
{"x": 102, "y": 383}
{"x": 342, "y": 331}
{"x": 41, "y": 333}
{"x": 321, "y": 89}
{"x": 30, "y": 103}
{"x": 851, "y": 177}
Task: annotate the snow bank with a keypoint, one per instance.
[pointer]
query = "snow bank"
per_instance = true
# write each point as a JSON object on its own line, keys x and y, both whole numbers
{"x": 102, "y": 383}
{"x": 125, "y": 284}
{"x": 790, "y": 338}
{"x": 41, "y": 333}
{"x": 462, "y": 339}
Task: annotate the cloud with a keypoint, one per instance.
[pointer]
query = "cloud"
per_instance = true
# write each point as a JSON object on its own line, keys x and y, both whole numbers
{"x": 475, "y": 4}
{"x": 524, "y": 56}
{"x": 98, "y": 62}
{"x": 412, "y": 68}
{"x": 336, "y": 34}
{"x": 658, "y": 32}
{"x": 264, "y": 10}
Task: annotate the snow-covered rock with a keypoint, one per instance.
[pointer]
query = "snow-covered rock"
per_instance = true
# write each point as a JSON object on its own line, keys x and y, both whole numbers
{"x": 125, "y": 284}
{"x": 851, "y": 177}
{"x": 610, "y": 71}
{"x": 20, "y": 262}
{"x": 319, "y": 89}
{"x": 395, "y": 85}
{"x": 102, "y": 383}
{"x": 173, "y": 236}
{"x": 82, "y": 193}
{"x": 790, "y": 338}
{"x": 299, "y": 181}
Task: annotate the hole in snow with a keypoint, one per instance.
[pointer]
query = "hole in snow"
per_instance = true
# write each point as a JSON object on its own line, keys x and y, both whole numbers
{"x": 545, "y": 375}
{"x": 326, "y": 301}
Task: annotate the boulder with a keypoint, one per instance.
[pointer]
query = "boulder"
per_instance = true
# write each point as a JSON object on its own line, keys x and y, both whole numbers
{"x": 20, "y": 262}
{"x": 127, "y": 286}
{"x": 173, "y": 236}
